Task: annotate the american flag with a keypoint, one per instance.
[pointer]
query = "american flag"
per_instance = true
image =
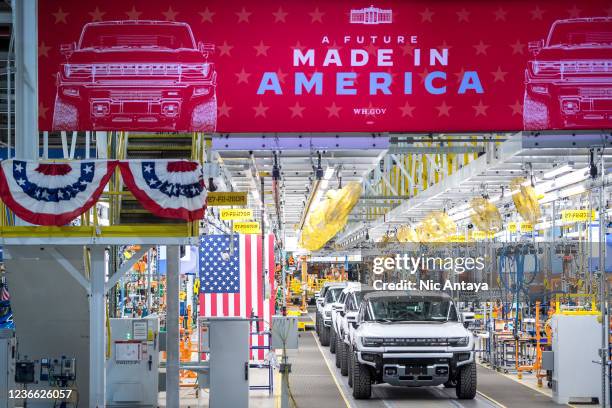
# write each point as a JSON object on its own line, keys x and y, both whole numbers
{"x": 4, "y": 294}
{"x": 231, "y": 282}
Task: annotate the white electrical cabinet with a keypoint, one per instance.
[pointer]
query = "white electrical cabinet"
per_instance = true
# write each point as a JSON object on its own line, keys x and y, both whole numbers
{"x": 576, "y": 374}
{"x": 7, "y": 367}
{"x": 132, "y": 372}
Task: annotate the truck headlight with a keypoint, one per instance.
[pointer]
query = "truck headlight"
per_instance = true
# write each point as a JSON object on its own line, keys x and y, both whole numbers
{"x": 458, "y": 341}
{"x": 205, "y": 69}
{"x": 372, "y": 341}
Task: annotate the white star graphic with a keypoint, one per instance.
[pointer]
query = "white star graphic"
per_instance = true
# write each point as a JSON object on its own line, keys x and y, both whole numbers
{"x": 88, "y": 169}
{"x": 148, "y": 168}
{"x": 60, "y": 194}
{"x": 21, "y": 182}
{"x": 45, "y": 194}
{"x": 18, "y": 167}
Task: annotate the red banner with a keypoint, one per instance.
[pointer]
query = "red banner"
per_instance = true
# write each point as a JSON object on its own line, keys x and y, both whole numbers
{"x": 335, "y": 66}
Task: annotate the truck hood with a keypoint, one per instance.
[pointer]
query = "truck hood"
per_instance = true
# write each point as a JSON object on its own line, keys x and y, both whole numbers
{"x": 412, "y": 330}
{"x": 574, "y": 53}
{"x": 143, "y": 55}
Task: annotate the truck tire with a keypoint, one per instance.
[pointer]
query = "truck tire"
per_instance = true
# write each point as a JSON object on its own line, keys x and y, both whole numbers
{"x": 332, "y": 340}
{"x": 536, "y": 115}
{"x": 350, "y": 366}
{"x": 362, "y": 381}
{"x": 324, "y": 336}
{"x": 344, "y": 359}
{"x": 204, "y": 116}
{"x": 339, "y": 350}
{"x": 65, "y": 116}
{"x": 466, "y": 382}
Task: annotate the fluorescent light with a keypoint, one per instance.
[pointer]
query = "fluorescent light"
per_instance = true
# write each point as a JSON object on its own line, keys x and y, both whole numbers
{"x": 557, "y": 171}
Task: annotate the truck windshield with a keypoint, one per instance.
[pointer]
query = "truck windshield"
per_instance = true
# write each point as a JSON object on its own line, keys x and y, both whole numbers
{"x": 332, "y": 295}
{"x": 421, "y": 310}
{"x": 581, "y": 33}
{"x": 128, "y": 36}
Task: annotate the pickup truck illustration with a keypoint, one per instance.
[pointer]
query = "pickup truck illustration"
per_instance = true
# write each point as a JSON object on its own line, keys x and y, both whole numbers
{"x": 568, "y": 81}
{"x": 136, "y": 75}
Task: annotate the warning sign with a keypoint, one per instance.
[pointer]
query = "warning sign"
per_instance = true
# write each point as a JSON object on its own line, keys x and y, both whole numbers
{"x": 577, "y": 215}
{"x": 220, "y": 198}
{"x": 236, "y": 214}
{"x": 249, "y": 227}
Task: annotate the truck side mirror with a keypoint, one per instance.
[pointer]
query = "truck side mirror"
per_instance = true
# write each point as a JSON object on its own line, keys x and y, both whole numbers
{"x": 467, "y": 317}
{"x": 68, "y": 49}
{"x": 351, "y": 318}
{"x": 206, "y": 48}
{"x": 535, "y": 47}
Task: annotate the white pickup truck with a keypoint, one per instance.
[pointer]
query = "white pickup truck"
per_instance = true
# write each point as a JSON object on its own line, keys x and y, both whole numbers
{"x": 328, "y": 296}
{"x": 412, "y": 339}
{"x": 341, "y": 331}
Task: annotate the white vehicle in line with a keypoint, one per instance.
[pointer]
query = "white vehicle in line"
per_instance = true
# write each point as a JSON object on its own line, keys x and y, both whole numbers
{"x": 412, "y": 339}
{"x": 325, "y": 310}
{"x": 350, "y": 301}
{"x": 319, "y": 297}
{"x": 335, "y": 312}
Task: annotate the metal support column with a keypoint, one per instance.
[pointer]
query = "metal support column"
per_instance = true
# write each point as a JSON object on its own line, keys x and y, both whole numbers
{"x": 97, "y": 316}
{"x": 172, "y": 327}
{"x": 25, "y": 14}
{"x": 603, "y": 292}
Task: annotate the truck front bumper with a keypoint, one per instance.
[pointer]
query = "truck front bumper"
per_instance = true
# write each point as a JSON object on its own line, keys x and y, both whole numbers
{"x": 415, "y": 369}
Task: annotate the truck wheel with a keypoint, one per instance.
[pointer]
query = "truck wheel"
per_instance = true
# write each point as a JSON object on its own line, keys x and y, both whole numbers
{"x": 466, "y": 382}
{"x": 65, "y": 116}
{"x": 339, "y": 350}
{"x": 535, "y": 114}
{"x": 204, "y": 116}
{"x": 350, "y": 366}
{"x": 324, "y": 336}
{"x": 362, "y": 381}
{"x": 344, "y": 360}
{"x": 332, "y": 340}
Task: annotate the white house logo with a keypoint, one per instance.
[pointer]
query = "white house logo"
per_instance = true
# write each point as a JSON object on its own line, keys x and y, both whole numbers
{"x": 371, "y": 15}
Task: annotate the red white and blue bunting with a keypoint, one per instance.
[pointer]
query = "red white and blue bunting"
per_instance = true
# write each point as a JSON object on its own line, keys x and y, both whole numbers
{"x": 53, "y": 193}
{"x": 172, "y": 189}
{"x": 57, "y": 193}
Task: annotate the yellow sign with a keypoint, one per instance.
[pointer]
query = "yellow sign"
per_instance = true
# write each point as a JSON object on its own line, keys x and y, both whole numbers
{"x": 577, "y": 215}
{"x": 483, "y": 234}
{"x": 526, "y": 227}
{"x": 236, "y": 214}
{"x": 219, "y": 198}
{"x": 249, "y": 227}
{"x": 512, "y": 226}
{"x": 456, "y": 238}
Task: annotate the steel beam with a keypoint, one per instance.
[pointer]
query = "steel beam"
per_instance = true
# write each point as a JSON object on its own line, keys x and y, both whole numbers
{"x": 505, "y": 151}
{"x": 97, "y": 335}
{"x": 127, "y": 265}
{"x": 267, "y": 142}
{"x": 172, "y": 327}
{"x": 25, "y": 13}
{"x": 435, "y": 150}
{"x": 74, "y": 272}
{"x": 403, "y": 170}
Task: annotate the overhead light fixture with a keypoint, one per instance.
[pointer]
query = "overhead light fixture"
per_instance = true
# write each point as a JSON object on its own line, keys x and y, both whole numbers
{"x": 557, "y": 171}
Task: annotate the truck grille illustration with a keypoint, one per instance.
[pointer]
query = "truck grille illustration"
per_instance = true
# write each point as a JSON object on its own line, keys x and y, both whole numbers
{"x": 136, "y": 75}
{"x": 568, "y": 82}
